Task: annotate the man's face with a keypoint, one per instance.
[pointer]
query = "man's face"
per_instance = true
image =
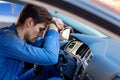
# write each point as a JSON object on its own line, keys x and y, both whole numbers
{"x": 34, "y": 32}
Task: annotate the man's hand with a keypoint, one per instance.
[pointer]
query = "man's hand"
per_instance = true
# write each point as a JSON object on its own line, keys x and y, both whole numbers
{"x": 57, "y": 24}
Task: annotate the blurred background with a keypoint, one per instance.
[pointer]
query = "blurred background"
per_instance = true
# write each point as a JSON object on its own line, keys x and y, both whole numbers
{"x": 103, "y": 15}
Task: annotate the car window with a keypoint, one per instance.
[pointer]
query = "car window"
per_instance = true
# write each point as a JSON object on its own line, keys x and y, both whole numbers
{"x": 9, "y": 12}
{"x": 10, "y": 9}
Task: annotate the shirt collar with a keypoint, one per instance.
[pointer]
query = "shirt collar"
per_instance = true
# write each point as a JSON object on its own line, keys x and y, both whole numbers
{"x": 13, "y": 27}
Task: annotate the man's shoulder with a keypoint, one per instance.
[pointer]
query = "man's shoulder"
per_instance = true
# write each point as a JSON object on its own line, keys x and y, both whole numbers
{"x": 8, "y": 36}
{"x": 7, "y": 30}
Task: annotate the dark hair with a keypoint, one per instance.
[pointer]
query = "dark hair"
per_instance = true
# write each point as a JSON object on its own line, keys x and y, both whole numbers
{"x": 38, "y": 13}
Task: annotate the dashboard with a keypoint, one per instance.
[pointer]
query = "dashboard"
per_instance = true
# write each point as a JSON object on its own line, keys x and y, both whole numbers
{"x": 77, "y": 56}
{"x": 79, "y": 51}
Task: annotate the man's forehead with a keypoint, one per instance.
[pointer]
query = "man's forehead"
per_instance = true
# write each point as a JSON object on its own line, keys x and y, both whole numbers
{"x": 42, "y": 24}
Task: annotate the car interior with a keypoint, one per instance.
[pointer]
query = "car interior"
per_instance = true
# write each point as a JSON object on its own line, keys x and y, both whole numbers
{"x": 85, "y": 53}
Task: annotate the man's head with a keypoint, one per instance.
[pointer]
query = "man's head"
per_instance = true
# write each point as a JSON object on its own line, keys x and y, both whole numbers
{"x": 33, "y": 20}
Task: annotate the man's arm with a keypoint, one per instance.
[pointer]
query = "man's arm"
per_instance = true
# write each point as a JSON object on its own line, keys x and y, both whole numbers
{"x": 13, "y": 47}
{"x": 39, "y": 42}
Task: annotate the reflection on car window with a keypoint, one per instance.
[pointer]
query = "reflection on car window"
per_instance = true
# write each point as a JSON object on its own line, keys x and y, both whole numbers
{"x": 9, "y": 13}
{"x": 10, "y": 8}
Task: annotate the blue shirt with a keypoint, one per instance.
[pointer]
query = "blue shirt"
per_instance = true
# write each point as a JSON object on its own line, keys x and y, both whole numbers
{"x": 14, "y": 51}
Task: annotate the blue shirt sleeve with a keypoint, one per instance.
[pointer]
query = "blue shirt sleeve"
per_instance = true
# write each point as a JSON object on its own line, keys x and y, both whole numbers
{"x": 13, "y": 47}
{"x": 39, "y": 42}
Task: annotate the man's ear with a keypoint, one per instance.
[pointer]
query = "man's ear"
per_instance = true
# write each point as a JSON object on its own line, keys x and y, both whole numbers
{"x": 32, "y": 24}
{"x": 29, "y": 22}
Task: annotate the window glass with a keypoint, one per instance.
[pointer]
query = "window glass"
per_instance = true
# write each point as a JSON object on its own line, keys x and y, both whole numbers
{"x": 10, "y": 9}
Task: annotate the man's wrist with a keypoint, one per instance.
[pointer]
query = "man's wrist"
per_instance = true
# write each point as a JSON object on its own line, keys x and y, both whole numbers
{"x": 53, "y": 26}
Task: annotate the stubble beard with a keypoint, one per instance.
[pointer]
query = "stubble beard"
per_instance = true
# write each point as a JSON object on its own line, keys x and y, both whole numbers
{"x": 28, "y": 39}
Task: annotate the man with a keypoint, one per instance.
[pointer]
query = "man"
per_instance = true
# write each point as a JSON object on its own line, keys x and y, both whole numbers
{"x": 16, "y": 44}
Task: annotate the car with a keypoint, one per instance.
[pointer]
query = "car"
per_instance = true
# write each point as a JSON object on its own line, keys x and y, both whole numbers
{"x": 85, "y": 53}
